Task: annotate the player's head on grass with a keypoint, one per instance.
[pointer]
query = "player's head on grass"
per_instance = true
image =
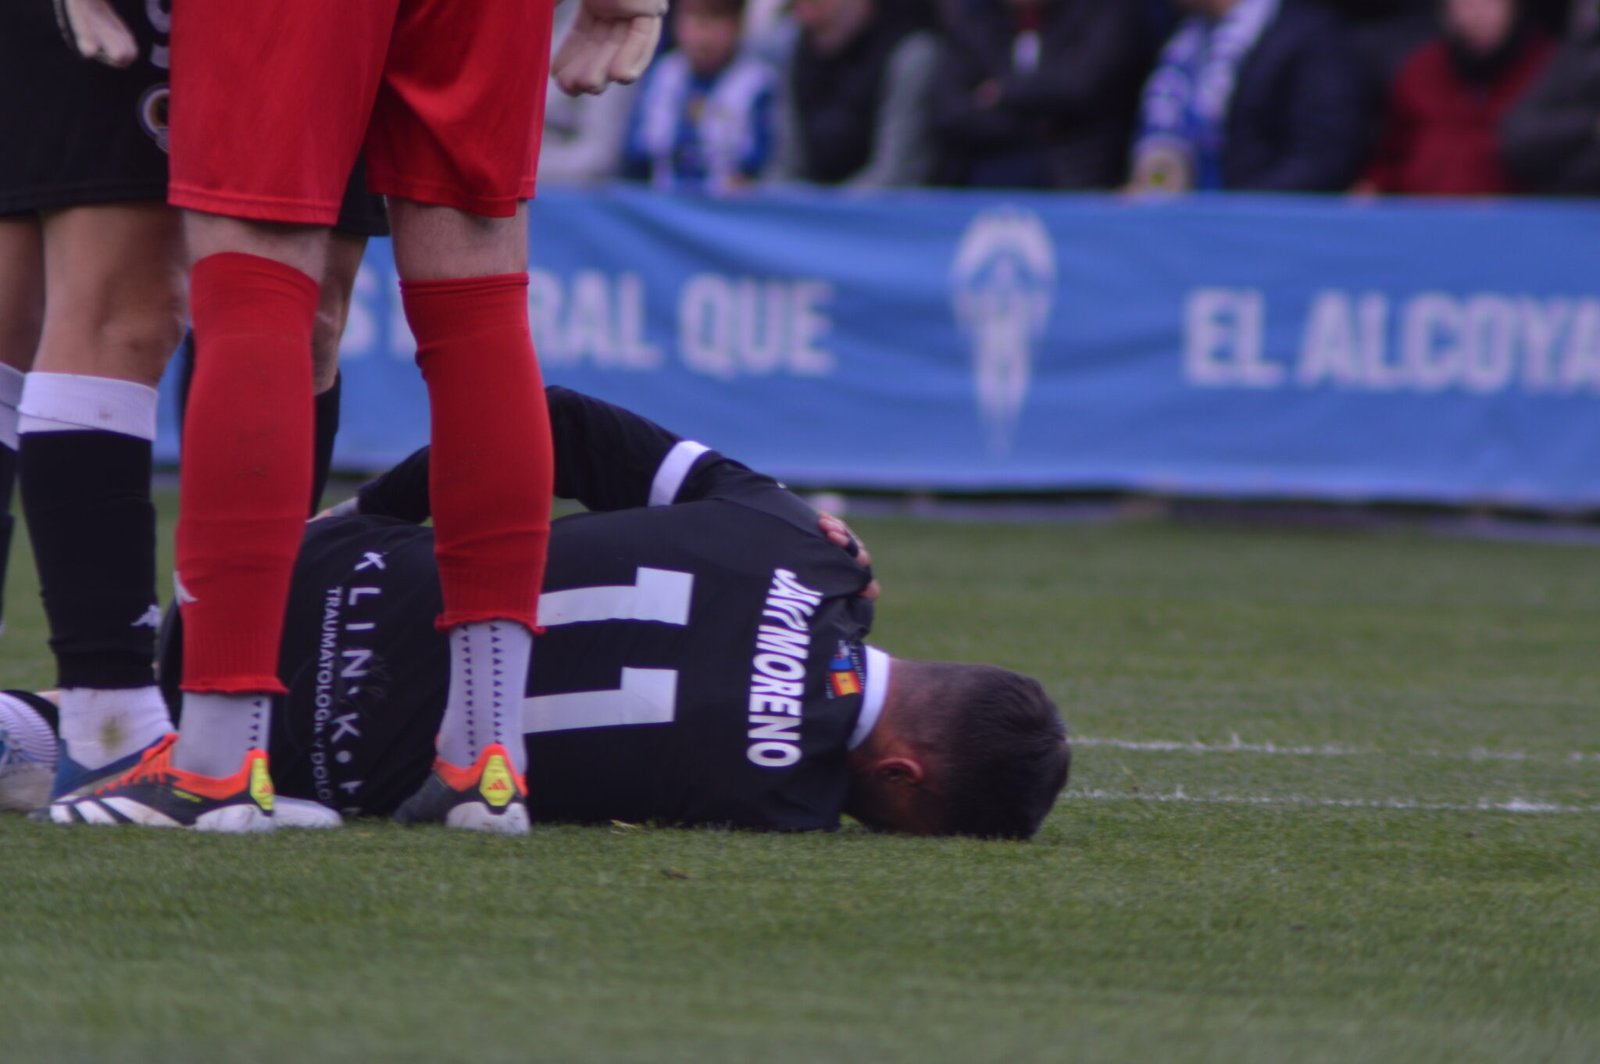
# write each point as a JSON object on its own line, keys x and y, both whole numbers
{"x": 961, "y": 750}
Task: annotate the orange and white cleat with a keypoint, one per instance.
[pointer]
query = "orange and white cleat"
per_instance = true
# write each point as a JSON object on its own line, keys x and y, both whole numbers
{"x": 155, "y": 794}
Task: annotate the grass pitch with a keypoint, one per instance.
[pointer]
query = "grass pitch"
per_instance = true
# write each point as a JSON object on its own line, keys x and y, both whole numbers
{"x": 1336, "y": 798}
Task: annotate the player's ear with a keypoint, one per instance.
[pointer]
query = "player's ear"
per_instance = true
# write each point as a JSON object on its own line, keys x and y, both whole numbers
{"x": 901, "y": 770}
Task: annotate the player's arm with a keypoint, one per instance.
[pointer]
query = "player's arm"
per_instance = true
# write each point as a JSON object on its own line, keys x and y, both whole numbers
{"x": 606, "y": 457}
{"x": 401, "y": 492}
{"x": 609, "y": 458}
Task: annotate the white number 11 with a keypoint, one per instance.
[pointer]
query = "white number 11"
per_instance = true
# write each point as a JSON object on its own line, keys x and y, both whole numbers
{"x": 645, "y": 696}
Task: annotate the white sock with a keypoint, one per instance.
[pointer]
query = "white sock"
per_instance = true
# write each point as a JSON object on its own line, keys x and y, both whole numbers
{"x": 488, "y": 677}
{"x": 219, "y": 729}
{"x": 98, "y": 727}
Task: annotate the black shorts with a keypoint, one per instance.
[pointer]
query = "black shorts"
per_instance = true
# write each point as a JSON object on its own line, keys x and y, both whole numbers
{"x": 76, "y": 133}
{"x": 362, "y": 213}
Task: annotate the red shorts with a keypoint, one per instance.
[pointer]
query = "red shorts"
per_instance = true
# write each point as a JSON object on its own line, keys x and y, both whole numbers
{"x": 271, "y": 102}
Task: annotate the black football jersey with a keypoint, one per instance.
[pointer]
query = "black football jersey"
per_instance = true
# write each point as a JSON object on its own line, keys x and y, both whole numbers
{"x": 701, "y": 658}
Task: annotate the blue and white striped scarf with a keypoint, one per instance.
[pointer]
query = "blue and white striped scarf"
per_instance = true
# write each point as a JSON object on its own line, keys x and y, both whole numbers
{"x": 1185, "y": 107}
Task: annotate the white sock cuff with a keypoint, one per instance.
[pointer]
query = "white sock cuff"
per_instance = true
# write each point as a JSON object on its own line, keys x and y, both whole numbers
{"x": 71, "y": 402}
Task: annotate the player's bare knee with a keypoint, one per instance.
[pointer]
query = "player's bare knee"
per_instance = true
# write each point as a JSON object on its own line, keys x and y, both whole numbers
{"x": 432, "y": 242}
{"x": 300, "y": 247}
{"x": 138, "y": 348}
{"x": 125, "y": 344}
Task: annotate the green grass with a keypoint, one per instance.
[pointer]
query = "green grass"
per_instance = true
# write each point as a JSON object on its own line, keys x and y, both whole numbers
{"x": 1206, "y": 905}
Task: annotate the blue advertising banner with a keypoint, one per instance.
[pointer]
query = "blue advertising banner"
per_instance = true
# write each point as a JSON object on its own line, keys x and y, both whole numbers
{"x": 1240, "y": 346}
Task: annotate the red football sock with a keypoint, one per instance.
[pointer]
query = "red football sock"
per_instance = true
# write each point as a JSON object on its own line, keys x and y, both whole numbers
{"x": 492, "y": 474}
{"x": 246, "y": 468}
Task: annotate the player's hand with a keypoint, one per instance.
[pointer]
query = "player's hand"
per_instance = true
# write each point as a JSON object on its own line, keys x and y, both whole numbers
{"x": 352, "y": 505}
{"x": 610, "y": 41}
{"x": 840, "y": 536}
{"x": 95, "y": 32}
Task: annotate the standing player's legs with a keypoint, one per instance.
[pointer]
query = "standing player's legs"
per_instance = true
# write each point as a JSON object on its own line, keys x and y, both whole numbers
{"x": 453, "y": 142}
{"x": 245, "y": 481}
{"x": 21, "y": 321}
{"x": 464, "y": 284}
{"x": 114, "y": 312}
{"x": 259, "y": 195}
{"x": 245, "y": 476}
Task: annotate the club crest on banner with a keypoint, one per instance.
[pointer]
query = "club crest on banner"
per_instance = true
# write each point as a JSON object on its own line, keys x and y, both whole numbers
{"x": 1002, "y": 286}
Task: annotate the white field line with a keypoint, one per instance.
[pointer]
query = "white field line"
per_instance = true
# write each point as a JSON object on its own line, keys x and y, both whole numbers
{"x": 1483, "y": 805}
{"x": 1237, "y": 746}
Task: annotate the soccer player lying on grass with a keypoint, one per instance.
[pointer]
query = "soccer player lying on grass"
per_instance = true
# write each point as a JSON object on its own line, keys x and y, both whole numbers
{"x": 702, "y": 661}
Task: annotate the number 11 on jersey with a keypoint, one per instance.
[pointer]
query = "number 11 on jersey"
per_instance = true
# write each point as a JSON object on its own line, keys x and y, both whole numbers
{"x": 644, "y": 696}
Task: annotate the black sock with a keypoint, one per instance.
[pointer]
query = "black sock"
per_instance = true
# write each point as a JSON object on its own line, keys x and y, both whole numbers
{"x": 86, "y": 497}
{"x": 326, "y": 406}
{"x": 185, "y": 360}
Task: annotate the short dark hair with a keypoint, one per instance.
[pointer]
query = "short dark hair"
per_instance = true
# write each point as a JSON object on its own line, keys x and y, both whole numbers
{"x": 1002, "y": 749}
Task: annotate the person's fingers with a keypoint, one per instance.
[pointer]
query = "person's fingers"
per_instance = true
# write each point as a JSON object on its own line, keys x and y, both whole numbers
{"x": 580, "y": 65}
{"x": 610, "y": 41}
{"x": 572, "y": 64}
{"x": 97, "y": 32}
{"x": 837, "y": 531}
{"x": 561, "y": 66}
{"x": 607, "y": 38}
{"x": 839, "y": 534}
{"x": 623, "y": 10}
{"x": 638, "y": 47}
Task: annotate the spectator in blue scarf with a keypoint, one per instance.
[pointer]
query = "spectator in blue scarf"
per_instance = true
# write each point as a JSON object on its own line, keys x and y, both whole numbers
{"x": 704, "y": 120}
{"x": 1260, "y": 95}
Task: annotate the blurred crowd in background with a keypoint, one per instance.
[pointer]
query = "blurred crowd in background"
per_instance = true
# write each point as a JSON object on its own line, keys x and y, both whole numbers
{"x": 1420, "y": 97}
